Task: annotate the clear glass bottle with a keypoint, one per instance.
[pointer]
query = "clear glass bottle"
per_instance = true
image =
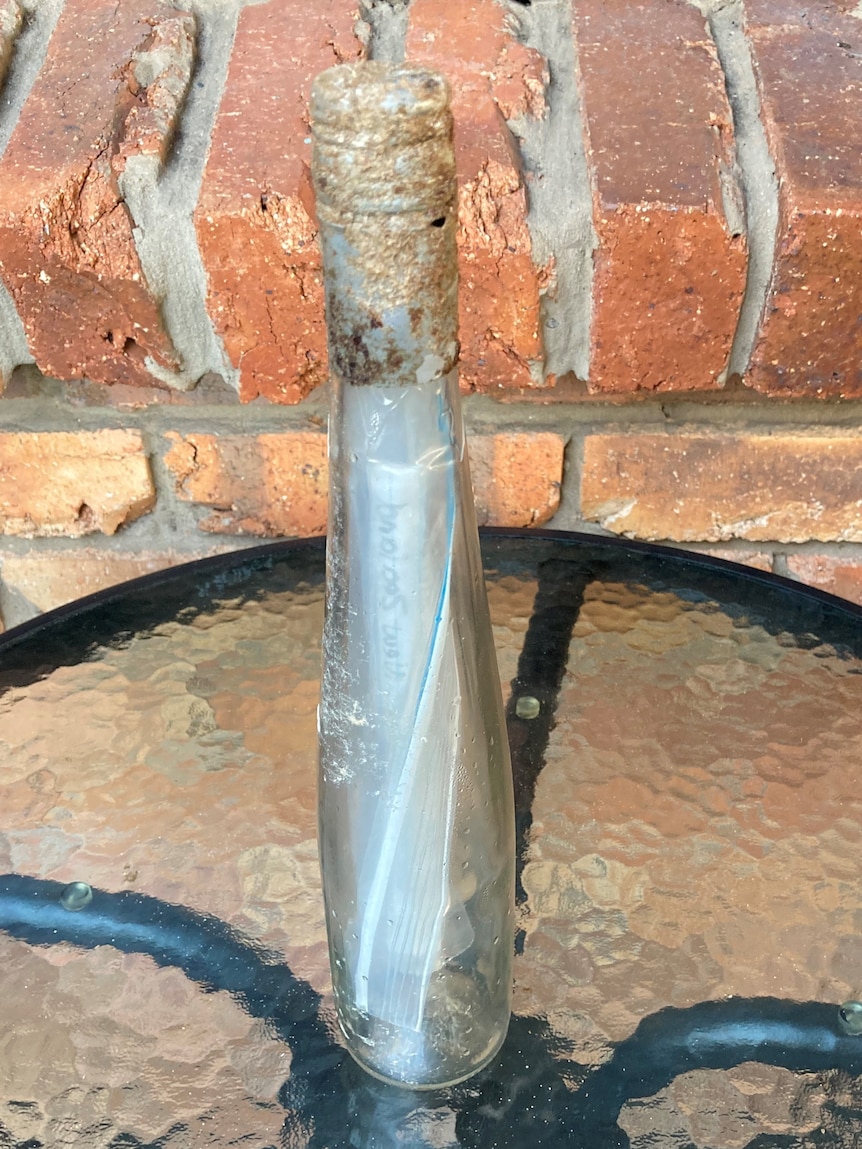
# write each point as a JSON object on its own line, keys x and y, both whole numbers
{"x": 416, "y": 806}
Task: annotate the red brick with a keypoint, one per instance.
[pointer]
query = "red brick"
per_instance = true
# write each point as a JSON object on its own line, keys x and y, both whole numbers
{"x": 808, "y": 70}
{"x": 67, "y": 252}
{"x": 517, "y": 477}
{"x": 49, "y": 578}
{"x": 760, "y": 560}
{"x": 158, "y": 78}
{"x": 255, "y": 216}
{"x": 716, "y": 487}
{"x": 60, "y": 483}
{"x": 669, "y": 274}
{"x": 256, "y": 485}
{"x": 493, "y": 78}
{"x": 841, "y": 576}
{"x": 277, "y": 484}
{"x": 812, "y": 14}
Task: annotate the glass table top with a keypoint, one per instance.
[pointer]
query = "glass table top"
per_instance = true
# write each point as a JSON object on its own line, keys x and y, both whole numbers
{"x": 687, "y": 749}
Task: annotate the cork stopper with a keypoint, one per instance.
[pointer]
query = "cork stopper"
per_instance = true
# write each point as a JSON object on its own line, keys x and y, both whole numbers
{"x": 384, "y": 178}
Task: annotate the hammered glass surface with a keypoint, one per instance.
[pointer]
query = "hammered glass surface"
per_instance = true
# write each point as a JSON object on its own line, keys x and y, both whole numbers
{"x": 687, "y": 744}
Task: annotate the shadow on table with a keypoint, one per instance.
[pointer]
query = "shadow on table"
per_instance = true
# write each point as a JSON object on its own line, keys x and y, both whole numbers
{"x": 534, "y": 1094}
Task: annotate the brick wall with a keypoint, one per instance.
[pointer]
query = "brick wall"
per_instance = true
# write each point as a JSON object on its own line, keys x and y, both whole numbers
{"x": 661, "y": 270}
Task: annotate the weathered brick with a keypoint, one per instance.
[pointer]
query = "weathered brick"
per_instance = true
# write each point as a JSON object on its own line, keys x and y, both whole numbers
{"x": 517, "y": 477}
{"x": 158, "y": 76}
{"x": 49, "y": 578}
{"x": 760, "y": 560}
{"x": 255, "y": 216}
{"x": 256, "y": 485}
{"x": 277, "y": 484}
{"x": 841, "y": 576}
{"x": 716, "y": 487}
{"x": 807, "y": 64}
{"x": 669, "y": 269}
{"x": 211, "y": 390}
{"x": 493, "y": 78}
{"x": 73, "y": 484}
{"x": 111, "y": 86}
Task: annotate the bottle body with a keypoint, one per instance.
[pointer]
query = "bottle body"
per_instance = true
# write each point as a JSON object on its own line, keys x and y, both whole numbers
{"x": 416, "y": 811}
{"x": 416, "y": 822}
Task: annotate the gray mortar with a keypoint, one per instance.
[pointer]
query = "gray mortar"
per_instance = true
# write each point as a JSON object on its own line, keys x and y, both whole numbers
{"x": 173, "y": 526}
{"x": 386, "y": 24}
{"x": 726, "y": 22}
{"x": 162, "y": 203}
{"x": 31, "y": 45}
{"x": 559, "y": 191}
{"x": 13, "y": 341}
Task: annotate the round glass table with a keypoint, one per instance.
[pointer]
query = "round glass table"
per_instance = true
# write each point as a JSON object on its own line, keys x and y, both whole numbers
{"x": 687, "y": 750}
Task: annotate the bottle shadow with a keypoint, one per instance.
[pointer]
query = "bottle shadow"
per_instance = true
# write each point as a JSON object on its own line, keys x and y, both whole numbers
{"x": 534, "y": 1093}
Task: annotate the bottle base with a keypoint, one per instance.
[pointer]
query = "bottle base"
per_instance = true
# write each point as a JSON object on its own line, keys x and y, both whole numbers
{"x": 402, "y": 1078}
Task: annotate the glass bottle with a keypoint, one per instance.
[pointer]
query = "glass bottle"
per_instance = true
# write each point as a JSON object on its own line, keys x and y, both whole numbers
{"x": 415, "y": 787}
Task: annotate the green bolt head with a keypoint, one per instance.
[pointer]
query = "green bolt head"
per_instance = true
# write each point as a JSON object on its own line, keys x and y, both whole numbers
{"x": 850, "y": 1017}
{"x": 75, "y": 896}
{"x": 528, "y": 707}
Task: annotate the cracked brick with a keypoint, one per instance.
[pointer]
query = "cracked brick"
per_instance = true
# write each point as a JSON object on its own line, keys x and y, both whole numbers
{"x": 255, "y": 217}
{"x": 73, "y": 484}
{"x": 277, "y": 484}
{"x": 493, "y": 79}
{"x": 808, "y": 64}
{"x": 517, "y": 477}
{"x": 265, "y": 485}
{"x": 158, "y": 75}
{"x": 788, "y": 488}
{"x": 67, "y": 251}
{"x": 669, "y": 270}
